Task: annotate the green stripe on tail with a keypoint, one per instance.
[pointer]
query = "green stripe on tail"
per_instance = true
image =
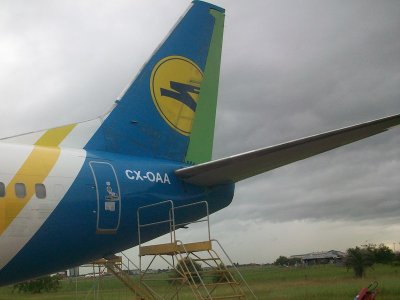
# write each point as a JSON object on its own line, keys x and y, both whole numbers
{"x": 202, "y": 135}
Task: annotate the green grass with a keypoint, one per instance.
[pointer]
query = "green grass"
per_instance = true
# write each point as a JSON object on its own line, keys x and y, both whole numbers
{"x": 322, "y": 282}
{"x": 317, "y": 282}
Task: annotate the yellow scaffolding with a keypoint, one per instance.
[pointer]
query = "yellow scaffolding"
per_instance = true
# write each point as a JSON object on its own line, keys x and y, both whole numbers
{"x": 197, "y": 269}
{"x": 115, "y": 266}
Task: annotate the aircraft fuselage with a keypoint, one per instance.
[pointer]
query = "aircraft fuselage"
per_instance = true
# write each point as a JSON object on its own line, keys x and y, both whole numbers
{"x": 90, "y": 205}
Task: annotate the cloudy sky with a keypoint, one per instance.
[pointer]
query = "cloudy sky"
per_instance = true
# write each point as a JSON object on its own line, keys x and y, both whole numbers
{"x": 289, "y": 69}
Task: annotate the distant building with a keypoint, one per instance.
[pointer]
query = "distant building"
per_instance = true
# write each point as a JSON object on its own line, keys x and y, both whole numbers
{"x": 74, "y": 272}
{"x": 314, "y": 258}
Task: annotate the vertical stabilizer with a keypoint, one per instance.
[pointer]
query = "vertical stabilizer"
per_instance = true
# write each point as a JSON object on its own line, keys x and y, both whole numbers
{"x": 169, "y": 109}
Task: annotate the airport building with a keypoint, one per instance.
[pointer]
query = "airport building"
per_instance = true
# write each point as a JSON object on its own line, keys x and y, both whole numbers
{"x": 314, "y": 258}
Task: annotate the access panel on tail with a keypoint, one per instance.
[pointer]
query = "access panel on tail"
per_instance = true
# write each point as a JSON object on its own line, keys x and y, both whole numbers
{"x": 168, "y": 111}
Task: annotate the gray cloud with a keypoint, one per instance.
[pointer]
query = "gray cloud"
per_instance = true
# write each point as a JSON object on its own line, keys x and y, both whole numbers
{"x": 308, "y": 69}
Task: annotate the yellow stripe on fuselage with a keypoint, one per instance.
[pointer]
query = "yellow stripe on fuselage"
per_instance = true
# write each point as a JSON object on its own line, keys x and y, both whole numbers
{"x": 34, "y": 170}
{"x": 54, "y": 137}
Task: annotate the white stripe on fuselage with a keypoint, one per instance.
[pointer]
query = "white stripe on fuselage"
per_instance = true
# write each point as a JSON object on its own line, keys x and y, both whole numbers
{"x": 81, "y": 134}
{"x": 36, "y": 211}
{"x": 77, "y": 138}
{"x": 11, "y": 159}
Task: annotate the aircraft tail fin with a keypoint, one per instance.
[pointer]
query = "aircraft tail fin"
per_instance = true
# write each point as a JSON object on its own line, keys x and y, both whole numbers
{"x": 168, "y": 111}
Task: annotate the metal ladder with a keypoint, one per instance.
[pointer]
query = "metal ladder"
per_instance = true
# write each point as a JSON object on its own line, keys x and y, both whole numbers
{"x": 196, "y": 268}
{"x": 115, "y": 266}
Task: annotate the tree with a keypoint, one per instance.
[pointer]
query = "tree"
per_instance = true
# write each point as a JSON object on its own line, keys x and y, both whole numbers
{"x": 282, "y": 261}
{"x": 383, "y": 254}
{"x": 359, "y": 259}
{"x": 188, "y": 267}
{"x": 36, "y": 286}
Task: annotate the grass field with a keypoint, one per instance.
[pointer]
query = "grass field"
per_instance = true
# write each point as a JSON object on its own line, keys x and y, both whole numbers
{"x": 278, "y": 283}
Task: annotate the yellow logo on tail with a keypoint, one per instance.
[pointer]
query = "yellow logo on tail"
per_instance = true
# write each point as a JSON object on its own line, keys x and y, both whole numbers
{"x": 175, "y": 88}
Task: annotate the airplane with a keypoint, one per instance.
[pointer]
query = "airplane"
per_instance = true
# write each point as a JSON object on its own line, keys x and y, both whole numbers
{"x": 70, "y": 194}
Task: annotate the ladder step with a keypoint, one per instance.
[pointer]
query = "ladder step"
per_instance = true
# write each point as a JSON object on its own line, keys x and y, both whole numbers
{"x": 127, "y": 280}
{"x": 206, "y": 259}
{"x": 220, "y": 283}
{"x": 214, "y": 271}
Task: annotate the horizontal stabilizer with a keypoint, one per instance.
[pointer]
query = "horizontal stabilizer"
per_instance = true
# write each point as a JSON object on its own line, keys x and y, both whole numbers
{"x": 244, "y": 165}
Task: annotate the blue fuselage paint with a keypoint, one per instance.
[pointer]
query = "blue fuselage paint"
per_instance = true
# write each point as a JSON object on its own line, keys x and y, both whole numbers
{"x": 70, "y": 236}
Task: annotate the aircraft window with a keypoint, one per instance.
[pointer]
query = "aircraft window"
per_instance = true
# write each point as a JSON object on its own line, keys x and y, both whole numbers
{"x": 40, "y": 190}
{"x": 20, "y": 190}
{"x": 2, "y": 189}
